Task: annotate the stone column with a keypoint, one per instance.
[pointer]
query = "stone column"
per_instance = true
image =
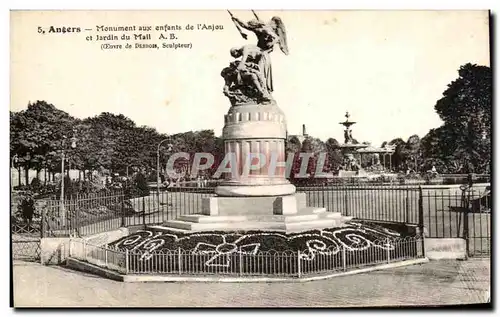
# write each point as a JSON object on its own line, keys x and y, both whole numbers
{"x": 253, "y": 132}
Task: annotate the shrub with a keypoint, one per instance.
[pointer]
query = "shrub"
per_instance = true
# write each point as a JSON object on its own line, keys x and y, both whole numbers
{"x": 26, "y": 207}
{"x": 138, "y": 187}
{"x": 35, "y": 184}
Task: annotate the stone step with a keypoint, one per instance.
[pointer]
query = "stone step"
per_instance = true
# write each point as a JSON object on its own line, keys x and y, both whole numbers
{"x": 178, "y": 224}
{"x": 333, "y": 215}
{"x": 312, "y": 210}
{"x": 288, "y": 223}
{"x": 162, "y": 227}
{"x": 300, "y": 218}
{"x": 198, "y": 218}
{"x": 347, "y": 218}
{"x": 310, "y": 225}
{"x": 226, "y": 226}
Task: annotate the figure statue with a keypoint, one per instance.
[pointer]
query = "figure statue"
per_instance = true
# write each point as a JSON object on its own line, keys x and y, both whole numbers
{"x": 268, "y": 34}
{"x": 243, "y": 84}
{"x": 253, "y": 63}
{"x": 347, "y": 136}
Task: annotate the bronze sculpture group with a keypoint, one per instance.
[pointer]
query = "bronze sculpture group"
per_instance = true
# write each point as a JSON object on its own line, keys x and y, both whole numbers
{"x": 248, "y": 79}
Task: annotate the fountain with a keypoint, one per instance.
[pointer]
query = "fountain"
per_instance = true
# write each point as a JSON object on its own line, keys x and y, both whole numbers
{"x": 350, "y": 168}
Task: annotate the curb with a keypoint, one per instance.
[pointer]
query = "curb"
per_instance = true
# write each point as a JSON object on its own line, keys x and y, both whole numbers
{"x": 135, "y": 278}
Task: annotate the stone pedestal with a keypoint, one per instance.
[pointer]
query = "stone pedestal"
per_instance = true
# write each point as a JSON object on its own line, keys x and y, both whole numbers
{"x": 254, "y": 135}
{"x": 282, "y": 213}
{"x": 256, "y": 195}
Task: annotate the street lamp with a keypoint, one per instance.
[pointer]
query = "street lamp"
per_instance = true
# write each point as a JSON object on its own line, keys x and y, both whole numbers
{"x": 63, "y": 158}
{"x": 158, "y": 167}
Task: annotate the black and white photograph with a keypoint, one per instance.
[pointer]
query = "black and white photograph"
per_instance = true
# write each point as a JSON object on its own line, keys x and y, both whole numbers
{"x": 250, "y": 158}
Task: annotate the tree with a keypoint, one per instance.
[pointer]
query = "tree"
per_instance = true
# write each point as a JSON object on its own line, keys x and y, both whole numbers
{"x": 310, "y": 145}
{"x": 293, "y": 145}
{"x": 398, "y": 158}
{"x": 412, "y": 153}
{"x": 334, "y": 154}
{"x": 465, "y": 108}
{"x": 109, "y": 141}
{"x": 37, "y": 133}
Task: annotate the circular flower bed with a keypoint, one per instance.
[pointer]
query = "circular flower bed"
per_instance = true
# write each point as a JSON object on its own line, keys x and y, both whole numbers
{"x": 163, "y": 250}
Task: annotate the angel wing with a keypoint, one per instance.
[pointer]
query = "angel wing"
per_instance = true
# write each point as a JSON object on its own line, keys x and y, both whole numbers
{"x": 279, "y": 29}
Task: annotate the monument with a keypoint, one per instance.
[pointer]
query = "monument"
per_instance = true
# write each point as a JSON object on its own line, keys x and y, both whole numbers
{"x": 256, "y": 195}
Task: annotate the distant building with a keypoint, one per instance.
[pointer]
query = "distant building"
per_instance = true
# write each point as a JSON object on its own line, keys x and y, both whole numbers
{"x": 300, "y": 137}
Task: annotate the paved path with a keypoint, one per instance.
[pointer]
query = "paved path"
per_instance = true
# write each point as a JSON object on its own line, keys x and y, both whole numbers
{"x": 433, "y": 283}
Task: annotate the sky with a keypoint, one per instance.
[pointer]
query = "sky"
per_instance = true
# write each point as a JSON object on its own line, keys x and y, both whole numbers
{"x": 387, "y": 68}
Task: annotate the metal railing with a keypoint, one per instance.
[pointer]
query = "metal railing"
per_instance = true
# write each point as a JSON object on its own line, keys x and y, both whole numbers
{"x": 444, "y": 212}
{"x": 463, "y": 213}
{"x": 268, "y": 263}
{"x": 82, "y": 215}
{"x": 390, "y": 203}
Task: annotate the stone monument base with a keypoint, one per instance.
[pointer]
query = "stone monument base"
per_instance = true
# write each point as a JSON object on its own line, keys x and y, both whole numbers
{"x": 283, "y": 213}
{"x": 256, "y": 190}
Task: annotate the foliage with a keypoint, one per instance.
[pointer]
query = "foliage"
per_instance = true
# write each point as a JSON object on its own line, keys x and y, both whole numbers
{"x": 463, "y": 142}
{"x": 26, "y": 207}
{"x": 37, "y": 133}
{"x": 138, "y": 188}
{"x": 334, "y": 154}
{"x": 108, "y": 143}
{"x": 35, "y": 184}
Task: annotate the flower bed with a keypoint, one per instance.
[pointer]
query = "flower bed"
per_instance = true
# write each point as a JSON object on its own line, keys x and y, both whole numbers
{"x": 264, "y": 253}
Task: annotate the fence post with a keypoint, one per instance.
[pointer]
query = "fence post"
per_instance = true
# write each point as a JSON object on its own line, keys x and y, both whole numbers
{"x": 407, "y": 206}
{"x": 323, "y": 197}
{"x": 77, "y": 225}
{"x": 467, "y": 205}
{"x": 241, "y": 263}
{"x": 298, "y": 264}
{"x": 346, "y": 202}
{"x": 43, "y": 225}
{"x": 85, "y": 249}
{"x": 421, "y": 218}
{"x": 344, "y": 260}
{"x": 179, "y": 260}
{"x": 144, "y": 211}
{"x": 388, "y": 251}
{"x": 106, "y": 255}
{"x": 126, "y": 261}
{"x": 123, "y": 211}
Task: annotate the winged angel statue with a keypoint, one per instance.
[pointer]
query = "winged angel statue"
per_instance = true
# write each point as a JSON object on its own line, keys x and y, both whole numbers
{"x": 249, "y": 78}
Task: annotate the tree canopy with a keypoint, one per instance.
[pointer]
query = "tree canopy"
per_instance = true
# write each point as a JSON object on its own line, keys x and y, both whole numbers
{"x": 463, "y": 142}
{"x": 115, "y": 143}
{"x": 107, "y": 142}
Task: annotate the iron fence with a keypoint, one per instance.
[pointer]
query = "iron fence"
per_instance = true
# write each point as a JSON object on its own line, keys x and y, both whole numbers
{"x": 83, "y": 215}
{"x": 390, "y": 203}
{"x": 445, "y": 212}
{"x": 238, "y": 263}
{"x": 25, "y": 248}
{"x": 462, "y": 213}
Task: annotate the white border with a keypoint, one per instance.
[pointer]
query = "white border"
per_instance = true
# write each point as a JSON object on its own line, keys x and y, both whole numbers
{"x": 189, "y": 4}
